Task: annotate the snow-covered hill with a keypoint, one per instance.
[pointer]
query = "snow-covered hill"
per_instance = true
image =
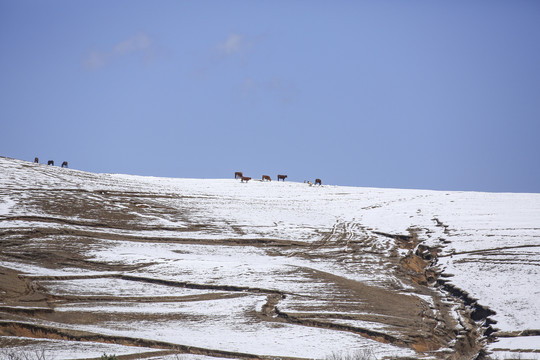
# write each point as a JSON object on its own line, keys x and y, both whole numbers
{"x": 94, "y": 263}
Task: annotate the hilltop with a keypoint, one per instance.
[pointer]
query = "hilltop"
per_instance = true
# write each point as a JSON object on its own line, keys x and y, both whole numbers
{"x": 150, "y": 267}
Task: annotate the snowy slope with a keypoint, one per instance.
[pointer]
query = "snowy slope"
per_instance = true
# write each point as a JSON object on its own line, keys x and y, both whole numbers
{"x": 324, "y": 259}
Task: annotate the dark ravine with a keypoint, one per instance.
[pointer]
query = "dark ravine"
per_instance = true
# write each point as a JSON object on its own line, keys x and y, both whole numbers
{"x": 479, "y": 312}
{"x": 419, "y": 265}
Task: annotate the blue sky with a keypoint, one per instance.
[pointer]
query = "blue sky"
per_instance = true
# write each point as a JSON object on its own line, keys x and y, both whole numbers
{"x": 406, "y": 94}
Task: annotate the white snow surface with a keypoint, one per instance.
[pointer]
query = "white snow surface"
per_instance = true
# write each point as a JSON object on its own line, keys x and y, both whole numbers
{"x": 507, "y": 282}
{"x": 490, "y": 244}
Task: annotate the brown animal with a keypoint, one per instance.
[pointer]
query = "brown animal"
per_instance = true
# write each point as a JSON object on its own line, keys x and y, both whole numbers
{"x": 318, "y": 182}
{"x": 64, "y": 164}
{"x": 245, "y": 178}
{"x": 36, "y": 160}
{"x": 282, "y": 177}
{"x": 50, "y": 162}
{"x": 266, "y": 177}
{"x": 238, "y": 174}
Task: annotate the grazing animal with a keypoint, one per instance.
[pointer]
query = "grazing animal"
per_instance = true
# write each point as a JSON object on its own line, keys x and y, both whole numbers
{"x": 50, "y": 162}
{"x": 282, "y": 177}
{"x": 245, "y": 178}
{"x": 310, "y": 183}
{"x": 238, "y": 174}
{"x": 64, "y": 164}
{"x": 318, "y": 182}
{"x": 266, "y": 177}
{"x": 36, "y": 160}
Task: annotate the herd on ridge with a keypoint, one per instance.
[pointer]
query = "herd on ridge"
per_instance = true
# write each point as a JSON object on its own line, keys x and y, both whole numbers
{"x": 51, "y": 162}
{"x": 237, "y": 174}
{"x": 240, "y": 175}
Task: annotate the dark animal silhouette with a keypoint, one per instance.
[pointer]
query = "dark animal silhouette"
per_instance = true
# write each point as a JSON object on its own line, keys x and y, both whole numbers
{"x": 238, "y": 174}
{"x": 245, "y": 178}
{"x": 266, "y": 177}
{"x": 64, "y": 164}
{"x": 36, "y": 160}
{"x": 50, "y": 162}
{"x": 282, "y": 177}
{"x": 318, "y": 181}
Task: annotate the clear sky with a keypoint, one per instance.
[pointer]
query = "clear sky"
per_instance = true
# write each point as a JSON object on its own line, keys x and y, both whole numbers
{"x": 406, "y": 94}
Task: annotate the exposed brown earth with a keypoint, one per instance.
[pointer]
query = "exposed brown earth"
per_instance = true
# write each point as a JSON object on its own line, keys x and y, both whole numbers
{"x": 421, "y": 328}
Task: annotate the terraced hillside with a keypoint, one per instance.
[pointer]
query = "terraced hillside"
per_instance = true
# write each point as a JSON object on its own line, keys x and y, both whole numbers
{"x": 152, "y": 267}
